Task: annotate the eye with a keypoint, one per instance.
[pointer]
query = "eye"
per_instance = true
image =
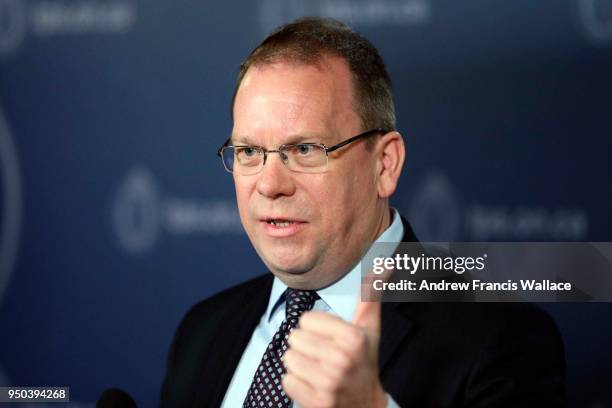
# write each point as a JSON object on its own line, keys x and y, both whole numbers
{"x": 304, "y": 149}
{"x": 248, "y": 151}
{"x": 248, "y": 155}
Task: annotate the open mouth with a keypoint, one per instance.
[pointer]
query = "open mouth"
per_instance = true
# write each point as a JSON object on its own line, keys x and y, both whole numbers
{"x": 282, "y": 227}
{"x": 279, "y": 223}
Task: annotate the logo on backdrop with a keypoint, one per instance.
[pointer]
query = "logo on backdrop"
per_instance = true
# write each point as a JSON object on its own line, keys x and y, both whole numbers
{"x": 438, "y": 215}
{"x": 142, "y": 214}
{"x": 11, "y": 207}
{"x": 435, "y": 209}
{"x": 273, "y": 13}
{"x": 136, "y": 212}
{"x": 45, "y": 18}
{"x": 596, "y": 19}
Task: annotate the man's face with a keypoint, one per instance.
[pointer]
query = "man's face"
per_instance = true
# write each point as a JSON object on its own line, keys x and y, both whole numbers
{"x": 327, "y": 219}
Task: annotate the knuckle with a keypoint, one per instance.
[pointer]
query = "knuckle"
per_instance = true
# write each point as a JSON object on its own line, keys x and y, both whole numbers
{"x": 288, "y": 357}
{"x": 287, "y": 382}
{"x": 355, "y": 340}
{"x": 333, "y": 384}
{"x": 294, "y": 336}
{"x": 305, "y": 318}
{"x": 342, "y": 362}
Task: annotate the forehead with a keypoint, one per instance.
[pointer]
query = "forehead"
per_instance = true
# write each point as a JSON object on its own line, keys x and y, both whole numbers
{"x": 292, "y": 99}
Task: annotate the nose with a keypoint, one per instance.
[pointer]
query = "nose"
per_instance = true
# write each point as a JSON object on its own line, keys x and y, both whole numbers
{"x": 275, "y": 179}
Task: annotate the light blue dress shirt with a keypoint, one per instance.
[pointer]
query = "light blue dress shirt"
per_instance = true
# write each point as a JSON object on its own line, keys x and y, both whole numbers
{"x": 339, "y": 298}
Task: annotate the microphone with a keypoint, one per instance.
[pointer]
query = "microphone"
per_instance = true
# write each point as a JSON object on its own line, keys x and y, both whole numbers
{"x": 115, "y": 398}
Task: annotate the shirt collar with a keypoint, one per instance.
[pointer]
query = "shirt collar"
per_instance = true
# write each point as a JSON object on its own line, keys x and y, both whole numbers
{"x": 341, "y": 296}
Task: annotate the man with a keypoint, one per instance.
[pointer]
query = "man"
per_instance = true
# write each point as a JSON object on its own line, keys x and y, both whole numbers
{"x": 315, "y": 156}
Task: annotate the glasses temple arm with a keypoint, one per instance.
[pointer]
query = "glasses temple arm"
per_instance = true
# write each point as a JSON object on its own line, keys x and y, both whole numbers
{"x": 352, "y": 139}
{"x": 224, "y": 145}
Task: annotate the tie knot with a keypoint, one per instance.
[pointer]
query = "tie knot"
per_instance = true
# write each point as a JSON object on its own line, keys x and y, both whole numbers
{"x": 297, "y": 302}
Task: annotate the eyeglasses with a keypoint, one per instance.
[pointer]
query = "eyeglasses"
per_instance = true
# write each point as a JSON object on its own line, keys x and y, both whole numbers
{"x": 301, "y": 157}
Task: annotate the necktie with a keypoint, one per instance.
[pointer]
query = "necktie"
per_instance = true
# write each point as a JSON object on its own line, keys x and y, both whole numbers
{"x": 266, "y": 389}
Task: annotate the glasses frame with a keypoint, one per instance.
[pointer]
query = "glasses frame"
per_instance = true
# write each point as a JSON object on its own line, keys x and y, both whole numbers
{"x": 327, "y": 150}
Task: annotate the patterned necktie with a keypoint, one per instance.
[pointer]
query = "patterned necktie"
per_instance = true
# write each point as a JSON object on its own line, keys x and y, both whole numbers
{"x": 266, "y": 389}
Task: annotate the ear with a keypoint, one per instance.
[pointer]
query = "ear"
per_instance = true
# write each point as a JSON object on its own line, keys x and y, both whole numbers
{"x": 391, "y": 154}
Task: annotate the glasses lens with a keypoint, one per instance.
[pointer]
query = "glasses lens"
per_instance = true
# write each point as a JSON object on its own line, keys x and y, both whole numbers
{"x": 307, "y": 158}
{"x": 243, "y": 160}
{"x": 227, "y": 156}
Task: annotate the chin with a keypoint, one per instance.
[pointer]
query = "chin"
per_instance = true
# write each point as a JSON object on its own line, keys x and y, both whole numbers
{"x": 287, "y": 268}
{"x": 280, "y": 256}
{"x": 295, "y": 279}
{"x": 287, "y": 264}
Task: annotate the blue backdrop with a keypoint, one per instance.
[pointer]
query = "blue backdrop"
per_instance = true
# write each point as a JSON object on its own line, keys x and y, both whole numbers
{"x": 116, "y": 215}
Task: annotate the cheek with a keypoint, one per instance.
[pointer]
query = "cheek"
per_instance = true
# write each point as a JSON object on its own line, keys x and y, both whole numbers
{"x": 358, "y": 191}
{"x": 333, "y": 200}
{"x": 242, "y": 199}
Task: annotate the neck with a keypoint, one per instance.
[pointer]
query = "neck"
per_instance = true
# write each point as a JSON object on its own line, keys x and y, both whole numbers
{"x": 383, "y": 221}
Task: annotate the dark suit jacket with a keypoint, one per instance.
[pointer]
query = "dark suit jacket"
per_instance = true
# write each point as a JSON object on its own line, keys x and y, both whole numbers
{"x": 431, "y": 354}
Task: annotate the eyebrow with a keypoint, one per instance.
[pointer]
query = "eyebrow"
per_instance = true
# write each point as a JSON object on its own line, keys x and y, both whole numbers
{"x": 241, "y": 140}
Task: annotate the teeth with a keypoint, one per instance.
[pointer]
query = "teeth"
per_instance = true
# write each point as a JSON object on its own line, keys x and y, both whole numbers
{"x": 281, "y": 224}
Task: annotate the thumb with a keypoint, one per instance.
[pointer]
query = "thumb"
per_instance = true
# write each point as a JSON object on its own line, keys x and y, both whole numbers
{"x": 367, "y": 316}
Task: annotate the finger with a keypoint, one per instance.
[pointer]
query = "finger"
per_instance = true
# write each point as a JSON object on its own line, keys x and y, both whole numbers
{"x": 298, "y": 390}
{"x": 313, "y": 345}
{"x": 351, "y": 339}
{"x": 324, "y": 324}
{"x": 367, "y": 316}
{"x": 311, "y": 371}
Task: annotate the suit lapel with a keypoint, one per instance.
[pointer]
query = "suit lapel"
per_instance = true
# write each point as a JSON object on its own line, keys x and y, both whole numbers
{"x": 395, "y": 324}
{"x": 232, "y": 339}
